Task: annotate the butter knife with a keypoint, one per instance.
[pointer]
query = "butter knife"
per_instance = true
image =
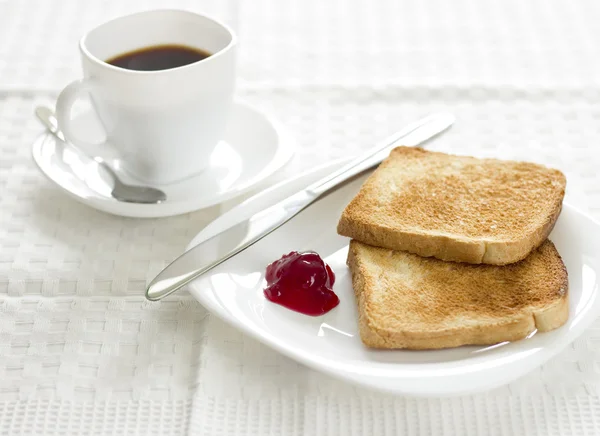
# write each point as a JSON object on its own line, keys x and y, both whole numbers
{"x": 216, "y": 250}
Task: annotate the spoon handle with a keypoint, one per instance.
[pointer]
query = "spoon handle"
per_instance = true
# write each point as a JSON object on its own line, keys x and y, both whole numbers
{"x": 48, "y": 119}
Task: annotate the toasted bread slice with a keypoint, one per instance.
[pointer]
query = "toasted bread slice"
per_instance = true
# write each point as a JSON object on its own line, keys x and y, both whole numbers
{"x": 408, "y": 301}
{"x": 456, "y": 208}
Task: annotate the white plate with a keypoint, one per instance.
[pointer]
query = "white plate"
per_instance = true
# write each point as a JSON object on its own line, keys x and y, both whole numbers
{"x": 330, "y": 343}
{"x": 253, "y": 148}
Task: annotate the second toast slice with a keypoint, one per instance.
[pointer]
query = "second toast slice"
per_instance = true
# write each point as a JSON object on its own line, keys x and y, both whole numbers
{"x": 408, "y": 301}
{"x": 455, "y": 208}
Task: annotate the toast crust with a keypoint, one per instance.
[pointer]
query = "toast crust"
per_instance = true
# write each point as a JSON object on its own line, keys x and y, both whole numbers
{"x": 455, "y": 208}
{"x": 405, "y": 301}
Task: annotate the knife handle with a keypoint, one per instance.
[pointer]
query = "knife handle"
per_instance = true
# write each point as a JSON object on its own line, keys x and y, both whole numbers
{"x": 413, "y": 135}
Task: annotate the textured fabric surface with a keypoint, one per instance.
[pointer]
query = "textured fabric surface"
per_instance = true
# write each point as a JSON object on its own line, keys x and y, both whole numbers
{"x": 82, "y": 352}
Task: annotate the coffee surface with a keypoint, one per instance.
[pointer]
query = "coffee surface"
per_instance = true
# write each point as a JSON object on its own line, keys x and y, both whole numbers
{"x": 158, "y": 57}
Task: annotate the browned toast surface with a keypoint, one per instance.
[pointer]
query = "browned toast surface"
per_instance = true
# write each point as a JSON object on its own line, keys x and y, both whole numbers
{"x": 456, "y": 208}
{"x": 407, "y": 301}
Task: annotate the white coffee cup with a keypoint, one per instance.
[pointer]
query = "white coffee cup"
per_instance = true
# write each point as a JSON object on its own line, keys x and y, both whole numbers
{"x": 162, "y": 125}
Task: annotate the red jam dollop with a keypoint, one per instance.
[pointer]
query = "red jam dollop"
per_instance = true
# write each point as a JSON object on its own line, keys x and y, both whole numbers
{"x": 302, "y": 282}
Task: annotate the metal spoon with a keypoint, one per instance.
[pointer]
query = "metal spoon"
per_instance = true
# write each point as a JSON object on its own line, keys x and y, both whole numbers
{"x": 120, "y": 191}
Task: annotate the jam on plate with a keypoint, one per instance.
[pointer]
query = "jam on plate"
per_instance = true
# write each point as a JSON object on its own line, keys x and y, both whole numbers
{"x": 302, "y": 282}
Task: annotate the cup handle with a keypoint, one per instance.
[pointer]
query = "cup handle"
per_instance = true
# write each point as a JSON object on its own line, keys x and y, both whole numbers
{"x": 64, "y": 104}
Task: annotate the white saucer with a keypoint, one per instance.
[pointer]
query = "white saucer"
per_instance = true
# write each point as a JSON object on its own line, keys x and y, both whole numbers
{"x": 331, "y": 343}
{"x": 253, "y": 148}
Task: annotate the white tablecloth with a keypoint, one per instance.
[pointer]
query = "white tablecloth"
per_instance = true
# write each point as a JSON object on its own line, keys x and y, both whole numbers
{"x": 81, "y": 351}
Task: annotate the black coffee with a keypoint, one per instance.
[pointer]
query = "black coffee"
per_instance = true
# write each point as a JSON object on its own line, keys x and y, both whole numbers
{"x": 158, "y": 57}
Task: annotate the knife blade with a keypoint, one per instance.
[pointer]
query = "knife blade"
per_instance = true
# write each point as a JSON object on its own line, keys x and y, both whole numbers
{"x": 216, "y": 250}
